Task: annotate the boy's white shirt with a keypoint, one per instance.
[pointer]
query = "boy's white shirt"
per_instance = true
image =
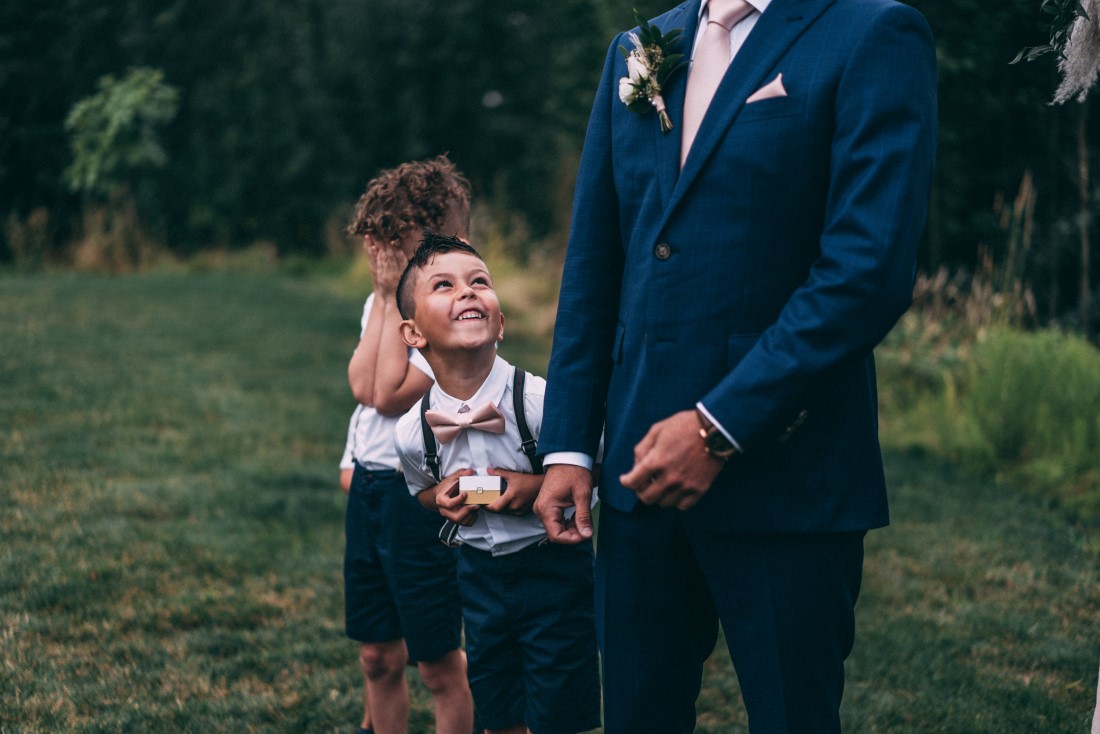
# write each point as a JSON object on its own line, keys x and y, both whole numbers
{"x": 493, "y": 532}
{"x": 370, "y": 434}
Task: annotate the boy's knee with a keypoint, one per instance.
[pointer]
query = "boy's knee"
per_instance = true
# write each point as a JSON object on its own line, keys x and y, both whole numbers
{"x": 382, "y": 660}
{"x": 444, "y": 674}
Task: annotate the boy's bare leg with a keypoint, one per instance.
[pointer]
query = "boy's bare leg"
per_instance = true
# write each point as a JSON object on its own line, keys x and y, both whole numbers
{"x": 446, "y": 680}
{"x": 366, "y": 722}
{"x": 387, "y": 692}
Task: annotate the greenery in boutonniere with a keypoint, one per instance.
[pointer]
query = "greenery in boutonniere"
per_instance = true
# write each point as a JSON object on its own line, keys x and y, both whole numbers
{"x": 1075, "y": 36}
{"x": 650, "y": 65}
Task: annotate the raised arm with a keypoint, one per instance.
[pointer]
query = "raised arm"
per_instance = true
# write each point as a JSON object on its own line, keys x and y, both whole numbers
{"x": 379, "y": 372}
{"x": 361, "y": 367}
{"x": 398, "y": 384}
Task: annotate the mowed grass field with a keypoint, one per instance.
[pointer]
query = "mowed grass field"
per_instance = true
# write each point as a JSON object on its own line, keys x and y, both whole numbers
{"x": 171, "y": 534}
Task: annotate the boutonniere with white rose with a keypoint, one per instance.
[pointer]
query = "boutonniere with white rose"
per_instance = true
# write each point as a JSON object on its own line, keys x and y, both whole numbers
{"x": 650, "y": 65}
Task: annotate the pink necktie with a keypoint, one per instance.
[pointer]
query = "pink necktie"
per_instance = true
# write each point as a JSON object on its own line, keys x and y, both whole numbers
{"x": 712, "y": 58}
{"x": 446, "y": 425}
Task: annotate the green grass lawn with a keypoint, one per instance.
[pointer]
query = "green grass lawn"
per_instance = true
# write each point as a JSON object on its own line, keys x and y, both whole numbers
{"x": 171, "y": 534}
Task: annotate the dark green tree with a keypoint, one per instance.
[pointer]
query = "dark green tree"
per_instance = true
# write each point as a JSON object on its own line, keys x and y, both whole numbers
{"x": 992, "y": 133}
{"x": 115, "y": 133}
{"x": 504, "y": 86}
{"x": 287, "y": 107}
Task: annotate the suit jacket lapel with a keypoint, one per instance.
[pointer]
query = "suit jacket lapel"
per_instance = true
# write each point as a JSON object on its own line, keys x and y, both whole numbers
{"x": 775, "y": 31}
{"x": 668, "y": 144}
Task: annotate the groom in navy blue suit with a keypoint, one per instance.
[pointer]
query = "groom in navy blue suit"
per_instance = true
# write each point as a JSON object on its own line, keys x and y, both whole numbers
{"x": 721, "y": 298}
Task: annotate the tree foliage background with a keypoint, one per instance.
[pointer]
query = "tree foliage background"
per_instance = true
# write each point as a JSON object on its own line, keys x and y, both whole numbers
{"x": 287, "y": 107}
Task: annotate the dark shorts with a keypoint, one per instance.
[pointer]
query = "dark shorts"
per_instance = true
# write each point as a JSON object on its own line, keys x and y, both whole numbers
{"x": 399, "y": 580}
{"x": 531, "y": 637}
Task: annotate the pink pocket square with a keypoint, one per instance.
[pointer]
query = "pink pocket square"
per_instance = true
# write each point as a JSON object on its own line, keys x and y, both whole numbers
{"x": 774, "y": 88}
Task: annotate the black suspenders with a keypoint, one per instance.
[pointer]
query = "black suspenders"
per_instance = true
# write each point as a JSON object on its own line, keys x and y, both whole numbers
{"x": 431, "y": 449}
{"x": 529, "y": 446}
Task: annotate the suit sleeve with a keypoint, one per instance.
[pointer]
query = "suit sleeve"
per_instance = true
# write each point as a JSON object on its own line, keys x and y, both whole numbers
{"x": 881, "y": 162}
{"x": 580, "y": 363}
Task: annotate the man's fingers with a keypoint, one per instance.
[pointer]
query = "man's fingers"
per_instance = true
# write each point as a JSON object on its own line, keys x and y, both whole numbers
{"x": 582, "y": 518}
{"x": 582, "y": 521}
{"x": 688, "y": 501}
{"x": 639, "y": 476}
{"x": 644, "y": 446}
{"x": 670, "y": 468}
{"x": 555, "y": 526}
{"x": 564, "y": 486}
{"x": 670, "y": 496}
{"x": 576, "y": 529}
{"x": 571, "y": 535}
{"x": 643, "y": 471}
{"x": 571, "y": 531}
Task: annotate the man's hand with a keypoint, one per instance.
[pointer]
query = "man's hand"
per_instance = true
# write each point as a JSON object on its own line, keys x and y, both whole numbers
{"x": 671, "y": 468}
{"x": 448, "y": 501}
{"x": 519, "y": 494}
{"x": 566, "y": 486}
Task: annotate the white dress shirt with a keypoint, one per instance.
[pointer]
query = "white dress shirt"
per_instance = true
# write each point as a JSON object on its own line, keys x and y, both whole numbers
{"x": 478, "y": 450}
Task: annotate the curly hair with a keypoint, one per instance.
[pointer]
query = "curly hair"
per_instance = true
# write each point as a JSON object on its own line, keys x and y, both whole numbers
{"x": 418, "y": 194}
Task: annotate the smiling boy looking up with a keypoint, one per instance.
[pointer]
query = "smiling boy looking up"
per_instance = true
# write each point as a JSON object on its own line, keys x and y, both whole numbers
{"x": 527, "y": 605}
{"x": 400, "y": 589}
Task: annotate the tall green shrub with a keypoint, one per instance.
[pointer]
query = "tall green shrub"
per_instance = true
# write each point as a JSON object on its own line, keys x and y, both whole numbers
{"x": 1036, "y": 398}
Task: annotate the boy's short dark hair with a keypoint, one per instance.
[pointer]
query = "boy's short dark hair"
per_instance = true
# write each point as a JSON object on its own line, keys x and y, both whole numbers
{"x": 416, "y": 194}
{"x": 431, "y": 244}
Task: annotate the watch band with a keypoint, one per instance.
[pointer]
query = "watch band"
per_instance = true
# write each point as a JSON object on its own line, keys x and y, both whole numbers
{"x": 715, "y": 442}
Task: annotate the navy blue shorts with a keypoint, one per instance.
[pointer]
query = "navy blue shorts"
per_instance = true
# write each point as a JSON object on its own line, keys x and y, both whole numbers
{"x": 399, "y": 580}
{"x": 531, "y": 637}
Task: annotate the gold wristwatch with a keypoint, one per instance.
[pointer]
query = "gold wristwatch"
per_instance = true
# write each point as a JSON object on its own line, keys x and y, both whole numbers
{"x": 715, "y": 442}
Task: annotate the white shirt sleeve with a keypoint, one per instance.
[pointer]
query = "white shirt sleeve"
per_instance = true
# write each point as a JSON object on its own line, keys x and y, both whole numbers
{"x": 416, "y": 359}
{"x": 575, "y": 458}
{"x": 348, "y": 460}
{"x": 409, "y": 442}
{"x": 703, "y": 409}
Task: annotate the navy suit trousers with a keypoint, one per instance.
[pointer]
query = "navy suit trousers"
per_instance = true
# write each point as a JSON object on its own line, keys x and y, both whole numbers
{"x": 786, "y": 604}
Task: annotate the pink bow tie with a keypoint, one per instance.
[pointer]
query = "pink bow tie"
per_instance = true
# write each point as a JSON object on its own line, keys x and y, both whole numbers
{"x": 447, "y": 425}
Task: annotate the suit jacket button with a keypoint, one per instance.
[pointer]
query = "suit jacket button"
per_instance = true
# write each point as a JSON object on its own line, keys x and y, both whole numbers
{"x": 662, "y": 251}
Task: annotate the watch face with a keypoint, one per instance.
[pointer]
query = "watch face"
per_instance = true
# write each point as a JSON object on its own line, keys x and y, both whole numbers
{"x": 718, "y": 444}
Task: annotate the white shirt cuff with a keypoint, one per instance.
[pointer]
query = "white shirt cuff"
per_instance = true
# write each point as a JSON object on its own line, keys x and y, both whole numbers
{"x": 575, "y": 458}
{"x": 703, "y": 409}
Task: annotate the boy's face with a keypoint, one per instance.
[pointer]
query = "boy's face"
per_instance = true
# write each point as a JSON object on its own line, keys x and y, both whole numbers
{"x": 456, "y": 306}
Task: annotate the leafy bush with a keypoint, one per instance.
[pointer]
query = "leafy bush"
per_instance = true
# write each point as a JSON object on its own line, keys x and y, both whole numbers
{"x": 1036, "y": 398}
{"x": 962, "y": 378}
{"x": 923, "y": 369}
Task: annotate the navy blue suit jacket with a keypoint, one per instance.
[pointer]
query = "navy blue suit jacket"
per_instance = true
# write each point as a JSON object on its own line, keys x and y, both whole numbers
{"x": 789, "y": 241}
